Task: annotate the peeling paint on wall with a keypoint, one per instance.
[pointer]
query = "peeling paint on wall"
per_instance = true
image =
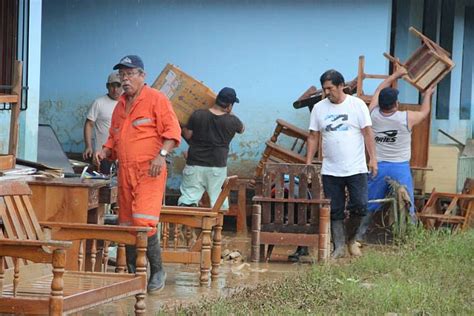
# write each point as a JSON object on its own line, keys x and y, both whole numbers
{"x": 67, "y": 121}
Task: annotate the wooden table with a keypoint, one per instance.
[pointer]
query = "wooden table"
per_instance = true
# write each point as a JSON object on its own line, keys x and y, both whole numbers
{"x": 71, "y": 200}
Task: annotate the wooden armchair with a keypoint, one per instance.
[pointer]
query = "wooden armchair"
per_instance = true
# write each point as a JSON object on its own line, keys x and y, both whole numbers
{"x": 177, "y": 242}
{"x": 290, "y": 211}
{"x": 449, "y": 209}
{"x": 23, "y": 241}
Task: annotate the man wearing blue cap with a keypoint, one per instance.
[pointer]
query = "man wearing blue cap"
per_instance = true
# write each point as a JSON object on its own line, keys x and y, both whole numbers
{"x": 209, "y": 133}
{"x": 392, "y": 133}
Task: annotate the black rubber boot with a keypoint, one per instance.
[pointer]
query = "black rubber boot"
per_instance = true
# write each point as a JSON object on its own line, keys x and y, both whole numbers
{"x": 364, "y": 225}
{"x": 131, "y": 253}
{"x": 157, "y": 275}
{"x": 300, "y": 251}
{"x": 339, "y": 239}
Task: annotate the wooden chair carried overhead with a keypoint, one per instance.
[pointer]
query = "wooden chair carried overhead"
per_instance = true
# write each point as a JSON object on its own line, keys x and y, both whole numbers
{"x": 449, "y": 209}
{"x": 290, "y": 211}
{"x": 60, "y": 292}
{"x": 206, "y": 249}
{"x": 427, "y": 66}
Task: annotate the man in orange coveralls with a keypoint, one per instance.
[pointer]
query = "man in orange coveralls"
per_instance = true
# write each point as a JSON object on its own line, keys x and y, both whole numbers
{"x": 144, "y": 129}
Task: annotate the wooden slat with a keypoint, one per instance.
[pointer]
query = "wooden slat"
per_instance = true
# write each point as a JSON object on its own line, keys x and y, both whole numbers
{"x": 32, "y": 217}
{"x": 7, "y": 223}
{"x": 25, "y": 218}
{"x": 17, "y": 227}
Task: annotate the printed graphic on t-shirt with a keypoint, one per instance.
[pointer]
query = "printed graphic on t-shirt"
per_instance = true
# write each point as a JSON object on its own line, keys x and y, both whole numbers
{"x": 336, "y": 122}
{"x": 389, "y": 136}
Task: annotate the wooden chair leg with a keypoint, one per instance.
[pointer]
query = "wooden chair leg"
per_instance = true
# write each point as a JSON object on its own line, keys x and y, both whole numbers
{"x": 262, "y": 251}
{"x": 141, "y": 266}
{"x": 256, "y": 222}
{"x": 217, "y": 248}
{"x": 121, "y": 260}
{"x": 324, "y": 222}
{"x": 269, "y": 252}
{"x": 57, "y": 298}
{"x": 206, "y": 251}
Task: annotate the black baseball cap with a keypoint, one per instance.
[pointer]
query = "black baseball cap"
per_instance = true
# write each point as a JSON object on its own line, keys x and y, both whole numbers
{"x": 130, "y": 61}
{"x": 226, "y": 96}
{"x": 387, "y": 97}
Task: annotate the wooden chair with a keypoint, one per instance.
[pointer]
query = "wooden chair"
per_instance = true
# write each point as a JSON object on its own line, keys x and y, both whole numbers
{"x": 22, "y": 239}
{"x": 277, "y": 153}
{"x": 428, "y": 65}
{"x": 449, "y": 209}
{"x": 291, "y": 217}
{"x": 177, "y": 243}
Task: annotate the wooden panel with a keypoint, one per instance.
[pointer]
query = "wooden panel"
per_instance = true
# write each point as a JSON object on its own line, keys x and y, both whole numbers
{"x": 185, "y": 93}
{"x": 444, "y": 161}
{"x": 93, "y": 200}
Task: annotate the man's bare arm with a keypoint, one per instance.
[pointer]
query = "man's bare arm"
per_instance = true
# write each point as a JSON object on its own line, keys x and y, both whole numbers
{"x": 312, "y": 146}
{"x": 88, "y": 128}
{"x": 386, "y": 83}
{"x": 370, "y": 147}
{"x": 415, "y": 117}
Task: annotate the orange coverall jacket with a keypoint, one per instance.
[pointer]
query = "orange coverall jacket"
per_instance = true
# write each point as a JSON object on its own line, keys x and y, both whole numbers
{"x": 136, "y": 138}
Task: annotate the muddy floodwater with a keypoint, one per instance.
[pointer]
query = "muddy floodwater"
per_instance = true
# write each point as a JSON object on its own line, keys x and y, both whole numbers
{"x": 182, "y": 283}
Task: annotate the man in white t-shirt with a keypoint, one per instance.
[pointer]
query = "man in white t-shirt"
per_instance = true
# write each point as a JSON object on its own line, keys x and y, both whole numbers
{"x": 100, "y": 115}
{"x": 344, "y": 123}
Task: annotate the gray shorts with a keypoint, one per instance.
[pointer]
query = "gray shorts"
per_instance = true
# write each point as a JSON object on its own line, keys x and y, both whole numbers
{"x": 197, "y": 180}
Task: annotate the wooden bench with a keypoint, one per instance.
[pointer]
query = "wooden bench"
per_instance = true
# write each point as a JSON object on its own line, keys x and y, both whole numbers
{"x": 290, "y": 211}
{"x": 23, "y": 239}
{"x": 177, "y": 242}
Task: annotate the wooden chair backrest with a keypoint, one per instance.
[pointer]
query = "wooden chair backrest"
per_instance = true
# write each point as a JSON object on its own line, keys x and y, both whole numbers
{"x": 17, "y": 217}
{"x": 16, "y": 212}
{"x": 294, "y": 206}
{"x": 229, "y": 182}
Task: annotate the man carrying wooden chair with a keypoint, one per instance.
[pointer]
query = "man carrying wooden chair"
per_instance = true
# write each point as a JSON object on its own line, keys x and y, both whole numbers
{"x": 392, "y": 134}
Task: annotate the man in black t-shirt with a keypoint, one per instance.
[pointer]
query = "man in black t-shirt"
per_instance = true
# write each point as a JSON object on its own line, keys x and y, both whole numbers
{"x": 209, "y": 133}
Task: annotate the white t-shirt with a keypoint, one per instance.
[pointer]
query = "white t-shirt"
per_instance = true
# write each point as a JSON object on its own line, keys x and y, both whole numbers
{"x": 342, "y": 140}
{"x": 100, "y": 113}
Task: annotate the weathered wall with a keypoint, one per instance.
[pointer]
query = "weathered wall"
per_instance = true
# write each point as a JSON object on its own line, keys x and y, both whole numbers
{"x": 269, "y": 51}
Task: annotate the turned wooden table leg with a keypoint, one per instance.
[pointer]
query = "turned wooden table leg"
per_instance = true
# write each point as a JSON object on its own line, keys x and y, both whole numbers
{"x": 206, "y": 250}
{"x": 217, "y": 247}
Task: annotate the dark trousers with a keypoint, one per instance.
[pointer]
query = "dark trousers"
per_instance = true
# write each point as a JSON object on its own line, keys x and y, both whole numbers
{"x": 335, "y": 189}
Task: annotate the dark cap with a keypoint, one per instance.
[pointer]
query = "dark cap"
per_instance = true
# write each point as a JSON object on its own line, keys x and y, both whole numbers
{"x": 226, "y": 96}
{"x": 130, "y": 61}
{"x": 387, "y": 98}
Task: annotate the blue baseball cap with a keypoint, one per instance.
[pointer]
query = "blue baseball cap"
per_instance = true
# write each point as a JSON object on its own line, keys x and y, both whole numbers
{"x": 226, "y": 96}
{"x": 387, "y": 97}
{"x": 130, "y": 61}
